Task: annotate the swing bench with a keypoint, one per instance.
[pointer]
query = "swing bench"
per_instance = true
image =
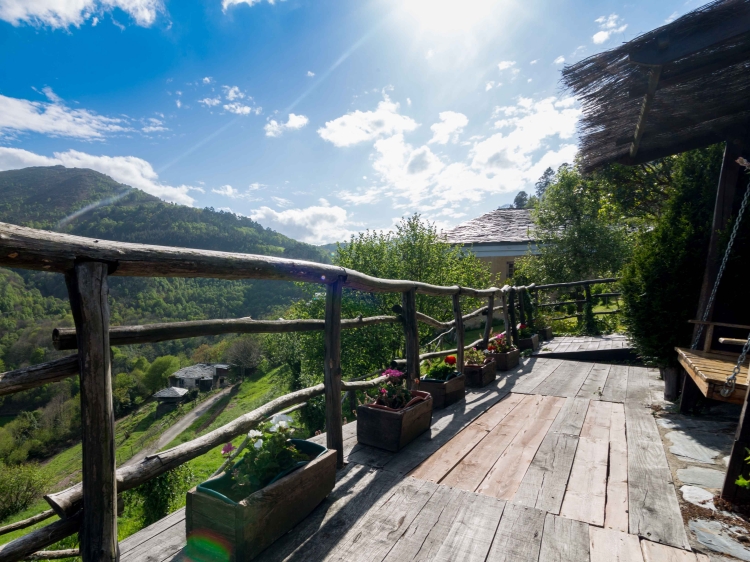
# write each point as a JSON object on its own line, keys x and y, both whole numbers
{"x": 710, "y": 369}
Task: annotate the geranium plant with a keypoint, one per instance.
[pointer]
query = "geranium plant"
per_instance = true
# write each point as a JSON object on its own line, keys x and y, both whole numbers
{"x": 269, "y": 453}
{"x": 440, "y": 370}
{"x": 393, "y": 392}
{"x": 500, "y": 344}
{"x": 474, "y": 356}
{"x": 524, "y": 331}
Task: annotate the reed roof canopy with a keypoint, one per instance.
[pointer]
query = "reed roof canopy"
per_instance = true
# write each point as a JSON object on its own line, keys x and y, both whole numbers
{"x": 681, "y": 86}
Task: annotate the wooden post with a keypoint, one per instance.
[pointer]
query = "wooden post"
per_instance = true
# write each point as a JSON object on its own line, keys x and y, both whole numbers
{"x": 459, "y": 332}
{"x": 87, "y": 288}
{"x": 506, "y": 319}
{"x": 521, "y": 307}
{"x": 512, "y": 312}
{"x": 352, "y": 400}
{"x": 332, "y": 375}
{"x": 737, "y": 465}
{"x": 488, "y": 321}
{"x": 411, "y": 335}
{"x": 671, "y": 377}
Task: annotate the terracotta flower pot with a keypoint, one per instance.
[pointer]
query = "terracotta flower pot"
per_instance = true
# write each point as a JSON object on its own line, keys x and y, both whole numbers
{"x": 444, "y": 393}
{"x": 505, "y": 361}
{"x": 390, "y": 429}
{"x": 480, "y": 375}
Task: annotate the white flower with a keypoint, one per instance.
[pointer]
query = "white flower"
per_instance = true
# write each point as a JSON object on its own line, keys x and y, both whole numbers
{"x": 253, "y": 433}
{"x": 281, "y": 418}
{"x": 258, "y": 443}
{"x": 283, "y": 424}
{"x": 274, "y": 428}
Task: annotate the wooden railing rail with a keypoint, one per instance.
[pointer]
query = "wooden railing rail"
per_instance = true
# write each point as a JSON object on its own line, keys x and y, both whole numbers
{"x": 38, "y": 375}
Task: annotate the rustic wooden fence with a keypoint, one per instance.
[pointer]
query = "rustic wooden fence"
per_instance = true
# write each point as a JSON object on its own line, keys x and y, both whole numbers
{"x": 91, "y": 506}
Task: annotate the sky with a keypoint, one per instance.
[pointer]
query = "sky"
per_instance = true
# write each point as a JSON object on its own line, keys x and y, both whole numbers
{"x": 316, "y": 118}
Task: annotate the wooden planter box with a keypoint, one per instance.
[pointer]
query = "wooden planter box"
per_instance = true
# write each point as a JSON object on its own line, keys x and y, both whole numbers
{"x": 445, "y": 393}
{"x": 480, "y": 375}
{"x": 506, "y": 361}
{"x": 394, "y": 429}
{"x": 219, "y": 528}
{"x": 531, "y": 343}
{"x": 546, "y": 334}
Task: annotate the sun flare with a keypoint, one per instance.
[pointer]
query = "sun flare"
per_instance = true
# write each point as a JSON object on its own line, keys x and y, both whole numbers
{"x": 448, "y": 16}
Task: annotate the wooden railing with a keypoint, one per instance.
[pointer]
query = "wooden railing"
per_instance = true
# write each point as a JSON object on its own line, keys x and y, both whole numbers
{"x": 87, "y": 264}
{"x": 586, "y": 301}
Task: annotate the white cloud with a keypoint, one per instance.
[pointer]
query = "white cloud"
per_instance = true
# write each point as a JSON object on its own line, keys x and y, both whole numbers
{"x": 66, "y": 13}
{"x": 227, "y": 191}
{"x": 450, "y": 127}
{"x": 609, "y": 25}
{"x": 489, "y": 86}
{"x": 317, "y": 224}
{"x": 505, "y": 64}
{"x": 310, "y": 73}
{"x": 280, "y": 201}
{"x": 362, "y": 196}
{"x": 429, "y": 54}
{"x": 233, "y": 93}
{"x": 241, "y": 109}
{"x": 178, "y": 103}
{"x": 54, "y": 118}
{"x": 534, "y": 61}
{"x": 207, "y": 80}
{"x": 153, "y": 125}
{"x": 227, "y": 3}
{"x": 360, "y": 126}
{"x": 275, "y": 129}
{"x": 672, "y": 17}
{"x": 210, "y": 102}
{"x": 559, "y": 60}
{"x": 129, "y": 170}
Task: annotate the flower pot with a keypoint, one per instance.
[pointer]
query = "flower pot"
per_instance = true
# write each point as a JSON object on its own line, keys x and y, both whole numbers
{"x": 392, "y": 430}
{"x": 220, "y": 527}
{"x": 444, "y": 393}
{"x": 531, "y": 343}
{"x": 546, "y": 334}
{"x": 505, "y": 361}
{"x": 480, "y": 375}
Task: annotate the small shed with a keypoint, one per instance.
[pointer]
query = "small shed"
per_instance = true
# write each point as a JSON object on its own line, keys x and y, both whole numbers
{"x": 169, "y": 398}
{"x": 203, "y": 376}
{"x": 499, "y": 238}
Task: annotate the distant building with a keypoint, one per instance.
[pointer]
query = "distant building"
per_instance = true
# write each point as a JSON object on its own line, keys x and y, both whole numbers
{"x": 499, "y": 238}
{"x": 203, "y": 376}
{"x": 169, "y": 399}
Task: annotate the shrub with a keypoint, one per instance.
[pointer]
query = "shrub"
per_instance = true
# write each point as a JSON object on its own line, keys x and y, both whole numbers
{"x": 19, "y": 487}
{"x": 159, "y": 496}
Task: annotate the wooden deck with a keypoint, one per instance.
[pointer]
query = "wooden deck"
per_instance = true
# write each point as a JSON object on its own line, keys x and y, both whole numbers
{"x": 611, "y": 347}
{"x": 557, "y": 461}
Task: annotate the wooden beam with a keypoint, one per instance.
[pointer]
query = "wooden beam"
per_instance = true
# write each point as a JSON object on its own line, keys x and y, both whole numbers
{"x": 653, "y": 81}
{"x": 577, "y": 283}
{"x": 26, "y": 522}
{"x": 488, "y": 321}
{"x": 332, "y": 375}
{"x": 37, "y": 539}
{"x": 38, "y": 375}
{"x": 506, "y": 319}
{"x": 411, "y": 336}
{"x": 669, "y": 46}
{"x": 459, "y": 333}
{"x": 512, "y": 312}
{"x": 88, "y": 291}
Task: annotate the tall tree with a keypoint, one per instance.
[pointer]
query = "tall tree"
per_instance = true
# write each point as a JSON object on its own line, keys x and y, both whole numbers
{"x": 521, "y": 200}
{"x": 544, "y": 182}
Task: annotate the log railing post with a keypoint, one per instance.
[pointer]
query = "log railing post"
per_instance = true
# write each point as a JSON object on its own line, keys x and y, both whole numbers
{"x": 332, "y": 373}
{"x": 506, "y": 318}
{"x": 87, "y": 288}
{"x": 411, "y": 335}
{"x": 737, "y": 465}
{"x": 512, "y": 312}
{"x": 459, "y": 332}
{"x": 488, "y": 321}
{"x": 521, "y": 307}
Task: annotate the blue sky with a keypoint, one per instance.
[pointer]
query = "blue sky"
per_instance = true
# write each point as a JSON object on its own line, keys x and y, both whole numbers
{"x": 317, "y": 118}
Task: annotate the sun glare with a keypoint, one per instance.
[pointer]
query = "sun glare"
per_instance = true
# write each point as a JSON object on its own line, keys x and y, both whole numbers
{"x": 448, "y": 16}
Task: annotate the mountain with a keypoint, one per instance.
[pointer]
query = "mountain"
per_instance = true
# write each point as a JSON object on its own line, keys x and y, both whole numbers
{"x": 31, "y": 303}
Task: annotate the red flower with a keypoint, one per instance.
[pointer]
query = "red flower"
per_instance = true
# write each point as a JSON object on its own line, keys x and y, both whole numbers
{"x": 521, "y": 326}
{"x": 450, "y": 360}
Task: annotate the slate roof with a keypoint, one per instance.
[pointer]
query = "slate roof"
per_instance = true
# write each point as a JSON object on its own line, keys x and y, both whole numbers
{"x": 496, "y": 227}
{"x": 171, "y": 392}
{"x": 199, "y": 371}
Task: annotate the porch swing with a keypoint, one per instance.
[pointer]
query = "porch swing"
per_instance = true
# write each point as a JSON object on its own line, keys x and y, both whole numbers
{"x": 719, "y": 375}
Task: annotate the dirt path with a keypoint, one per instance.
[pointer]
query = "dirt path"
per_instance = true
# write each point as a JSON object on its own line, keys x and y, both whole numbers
{"x": 174, "y": 430}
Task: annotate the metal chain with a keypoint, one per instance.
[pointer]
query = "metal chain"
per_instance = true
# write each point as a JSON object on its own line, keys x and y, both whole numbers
{"x": 731, "y": 381}
{"x": 710, "y": 303}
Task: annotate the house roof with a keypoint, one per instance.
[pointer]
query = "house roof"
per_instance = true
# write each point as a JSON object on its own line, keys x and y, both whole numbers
{"x": 496, "y": 227}
{"x": 198, "y": 371}
{"x": 678, "y": 87}
{"x": 171, "y": 392}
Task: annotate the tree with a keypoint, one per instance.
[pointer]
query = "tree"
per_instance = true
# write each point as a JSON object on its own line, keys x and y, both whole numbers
{"x": 20, "y": 485}
{"x": 159, "y": 371}
{"x": 521, "y": 200}
{"x": 544, "y": 182}
{"x": 246, "y": 352}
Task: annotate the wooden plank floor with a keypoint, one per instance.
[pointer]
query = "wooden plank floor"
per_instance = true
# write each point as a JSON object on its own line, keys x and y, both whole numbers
{"x": 556, "y": 461}
{"x": 571, "y": 344}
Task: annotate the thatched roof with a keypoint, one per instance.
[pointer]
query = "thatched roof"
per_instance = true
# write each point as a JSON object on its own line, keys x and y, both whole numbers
{"x": 501, "y": 226}
{"x": 697, "y": 71}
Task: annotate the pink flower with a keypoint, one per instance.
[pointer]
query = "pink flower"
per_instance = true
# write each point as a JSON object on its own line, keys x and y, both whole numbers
{"x": 383, "y": 391}
{"x": 227, "y": 449}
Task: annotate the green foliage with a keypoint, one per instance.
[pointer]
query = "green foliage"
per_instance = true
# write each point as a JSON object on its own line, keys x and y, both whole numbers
{"x": 741, "y": 481}
{"x": 474, "y": 356}
{"x": 393, "y": 392}
{"x": 20, "y": 485}
{"x": 157, "y": 497}
{"x": 661, "y": 284}
{"x": 158, "y": 373}
{"x": 269, "y": 453}
{"x": 439, "y": 369}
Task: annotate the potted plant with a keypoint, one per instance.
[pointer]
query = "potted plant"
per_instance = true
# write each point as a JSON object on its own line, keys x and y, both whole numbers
{"x": 543, "y": 325}
{"x": 441, "y": 379}
{"x": 527, "y": 339}
{"x": 397, "y": 415}
{"x": 479, "y": 368}
{"x": 272, "y": 487}
{"x": 503, "y": 352}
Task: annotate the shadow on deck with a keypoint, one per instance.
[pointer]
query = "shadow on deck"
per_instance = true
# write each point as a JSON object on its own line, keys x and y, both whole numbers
{"x": 534, "y": 467}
